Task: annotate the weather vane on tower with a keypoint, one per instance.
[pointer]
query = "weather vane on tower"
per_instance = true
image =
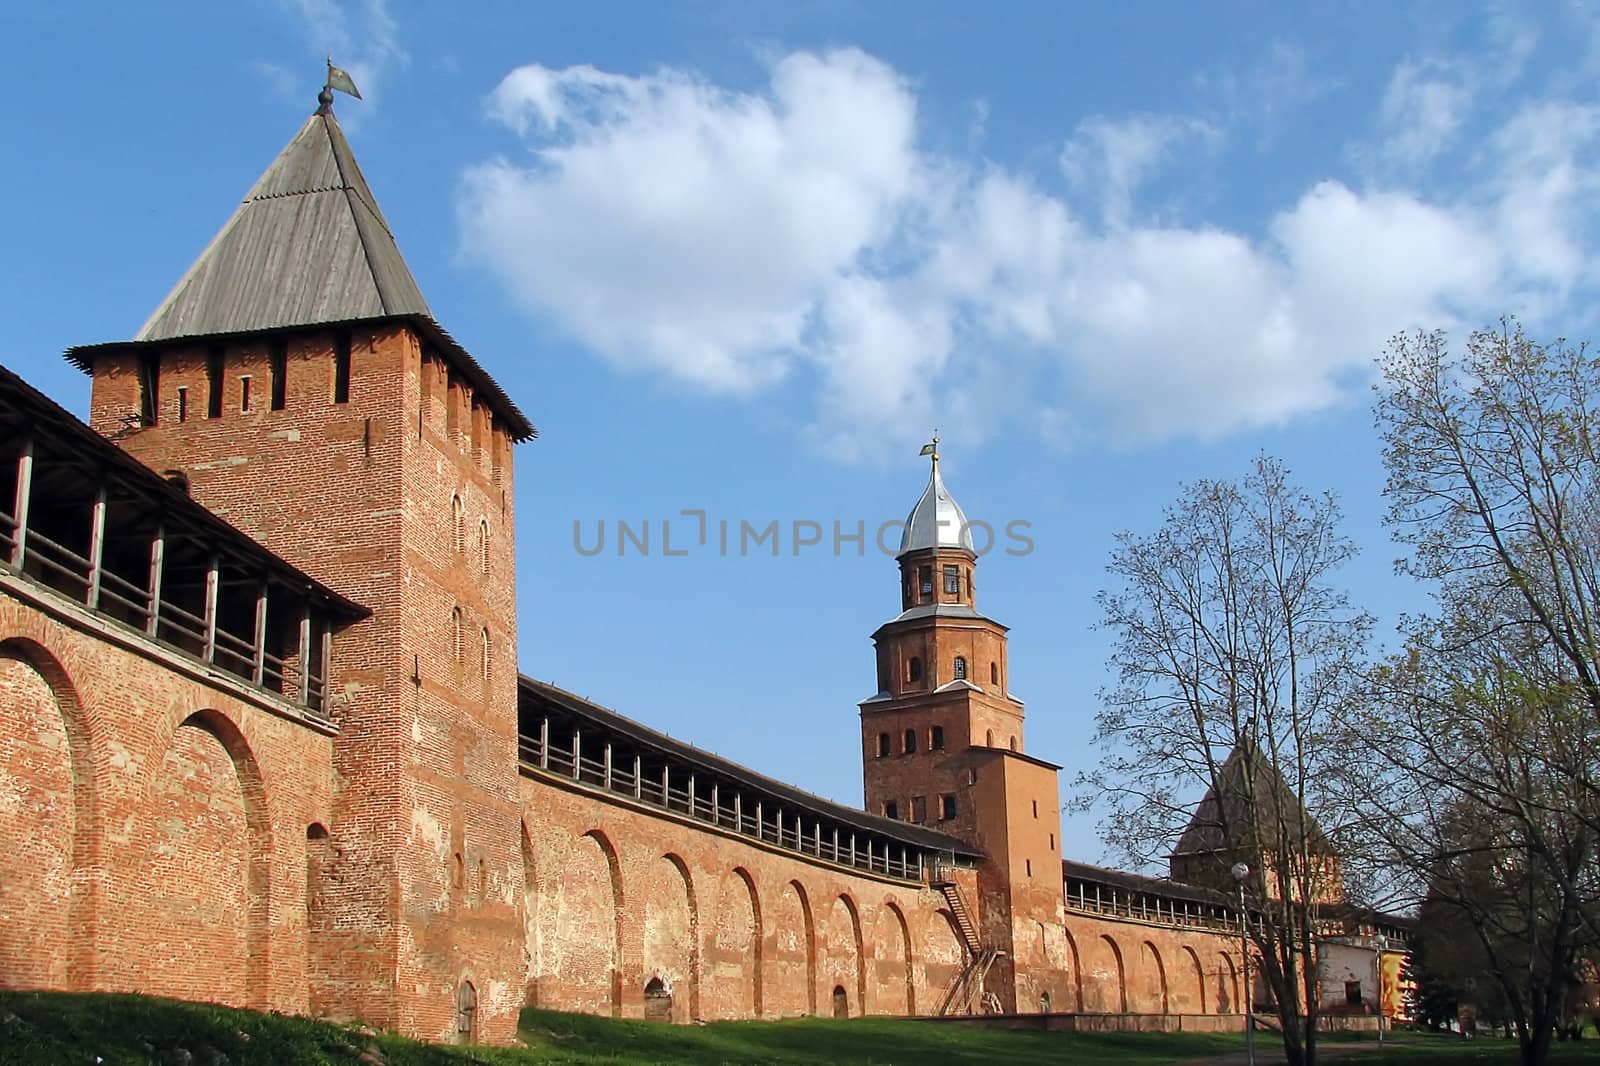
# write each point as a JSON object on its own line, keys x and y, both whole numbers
{"x": 338, "y": 78}
{"x": 932, "y": 448}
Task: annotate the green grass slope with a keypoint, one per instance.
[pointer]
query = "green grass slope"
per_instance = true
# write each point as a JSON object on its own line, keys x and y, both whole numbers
{"x": 62, "y": 1029}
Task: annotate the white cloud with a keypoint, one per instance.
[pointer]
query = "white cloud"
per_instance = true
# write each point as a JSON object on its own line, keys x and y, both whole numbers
{"x": 1423, "y": 109}
{"x": 1109, "y": 159}
{"x": 801, "y": 237}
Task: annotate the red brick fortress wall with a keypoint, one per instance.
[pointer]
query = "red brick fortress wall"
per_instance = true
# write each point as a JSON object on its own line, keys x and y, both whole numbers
{"x": 155, "y": 820}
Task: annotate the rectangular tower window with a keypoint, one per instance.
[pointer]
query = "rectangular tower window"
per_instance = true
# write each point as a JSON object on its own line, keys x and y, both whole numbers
{"x": 947, "y": 807}
{"x": 149, "y": 387}
{"x": 278, "y": 367}
{"x": 919, "y": 809}
{"x": 883, "y": 745}
{"x": 183, "y": 404}
{"x": 925, "y": 577}
{"x": 214, "y": 383}
{"x": 244, "y": 392}
{"x": 936, "y": 738}
{"x": 891, "y": 809}
{"x": 341, "y": 368}
{"x": 952, "y": 580}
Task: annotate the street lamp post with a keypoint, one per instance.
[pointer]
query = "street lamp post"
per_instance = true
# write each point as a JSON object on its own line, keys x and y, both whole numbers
{"x": 1240, "y": 872}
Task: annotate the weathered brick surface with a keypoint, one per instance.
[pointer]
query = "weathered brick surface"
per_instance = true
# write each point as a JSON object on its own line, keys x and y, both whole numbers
{"x": 399, "y": 497}
{"x": 619, "y": 895}
{"x": 156, "y": 821}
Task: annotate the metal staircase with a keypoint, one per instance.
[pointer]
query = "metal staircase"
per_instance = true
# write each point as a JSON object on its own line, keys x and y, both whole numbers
{"x": 966, "y": 993}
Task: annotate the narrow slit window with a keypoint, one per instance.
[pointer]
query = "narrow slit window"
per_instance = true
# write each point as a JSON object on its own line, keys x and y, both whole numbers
{"x": 883, "y": 745}
{"x": 936, "y": 738}
{"x": 183, "y": 404}
{"x": 914, "y": 670}
{"x": 960, "y": 668}
{"x": 483, "y": 546}
{"x": 214, "y": 383}
{"x": 488, "y": 653}
{"x": 947, "y": 807}
{"x": 458, "y": 525}
{"x": 911, "y": 742}
{"x": 278, "y": 365}
{"x": 149, "y": 388}
{"x": 244, "y": 393}
{"x": 341, "y": 368}
{"x": 952, "y": 581}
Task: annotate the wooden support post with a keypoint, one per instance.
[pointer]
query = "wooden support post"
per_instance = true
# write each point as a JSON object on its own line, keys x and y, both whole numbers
{"x": 761, "y": 829}
{"x": 258, "y": 642}
{"x": 691, "y": 795}
{"x": 817, "y": 829}
{"x": 210, "y": 614}
{"x": 608, "y": 766}
{"x": 577, "y": 754}
{"x": 716, "y": 811}
{"x": 97, "y": 547}
{"x": 666, "y": 786}
{"x": 638, "y": 777}
{"x": 19, "y": 505}
{"x": 305, "y": 655}
{"x": 158, "y": 554}
{"x": 327, "y": 668}
{"x": 852, "y": 849}
{"x": 544, "y": 743}
{"x": 835, "y": 843}
{"x": 738, "y": 812}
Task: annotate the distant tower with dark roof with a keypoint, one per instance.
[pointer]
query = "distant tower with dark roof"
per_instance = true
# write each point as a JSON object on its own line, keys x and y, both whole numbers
{"x": 1252, "y": 815}
{"x": 296, "y": 381}
{"x": 942, "y": 740}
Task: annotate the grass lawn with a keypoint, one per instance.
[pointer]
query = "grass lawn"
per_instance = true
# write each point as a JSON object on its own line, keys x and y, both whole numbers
{"x": 61, "y": 1029}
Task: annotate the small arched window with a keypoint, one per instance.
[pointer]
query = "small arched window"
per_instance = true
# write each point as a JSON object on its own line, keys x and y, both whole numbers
{"x": 911, "y": 741}
{"x": 466, "y": 1012}
{"x": 988, "y": 738}
{"x": 960, "y": 668}
{"x": 994, "y": 673}
{"x": 488, "y": 653}
{"x": 483, "y": 545}
{"x": 936, "y": 738}
{"x": 458, "y": 525}
{"x": 1013, "y": 743}
{"x": 914, "y": 669}
{"x": 883, "y": 745}
{"x": 456, "y": 639}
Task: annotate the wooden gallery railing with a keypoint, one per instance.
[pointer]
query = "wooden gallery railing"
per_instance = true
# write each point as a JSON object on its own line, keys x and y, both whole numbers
{"x": 761, "y": 820}
{"x": 198, "y": 630}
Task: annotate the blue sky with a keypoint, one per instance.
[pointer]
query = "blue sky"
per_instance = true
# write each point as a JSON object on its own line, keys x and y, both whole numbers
{"x": 743, "y": 258}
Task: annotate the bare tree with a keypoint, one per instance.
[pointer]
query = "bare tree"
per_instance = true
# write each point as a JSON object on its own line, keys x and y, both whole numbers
{"x": 1474, "y": 753}
{"x": 1232, "y": 650}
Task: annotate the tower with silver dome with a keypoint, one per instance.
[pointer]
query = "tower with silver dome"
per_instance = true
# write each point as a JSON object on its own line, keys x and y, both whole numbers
{"x": 942, "y": 741}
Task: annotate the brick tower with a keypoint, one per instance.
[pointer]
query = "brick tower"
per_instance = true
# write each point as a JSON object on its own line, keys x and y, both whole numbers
{"x": 296, "y": 381}
{"x": 942, "y": 740}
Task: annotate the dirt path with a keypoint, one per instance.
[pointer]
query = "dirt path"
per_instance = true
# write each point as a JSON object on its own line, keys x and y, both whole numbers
{"x": 1270, "y": 1053}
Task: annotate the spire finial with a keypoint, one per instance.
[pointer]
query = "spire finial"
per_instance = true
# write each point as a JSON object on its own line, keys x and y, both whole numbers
{"x": 339, "y": 79}
{"x": 931, "y": 449}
